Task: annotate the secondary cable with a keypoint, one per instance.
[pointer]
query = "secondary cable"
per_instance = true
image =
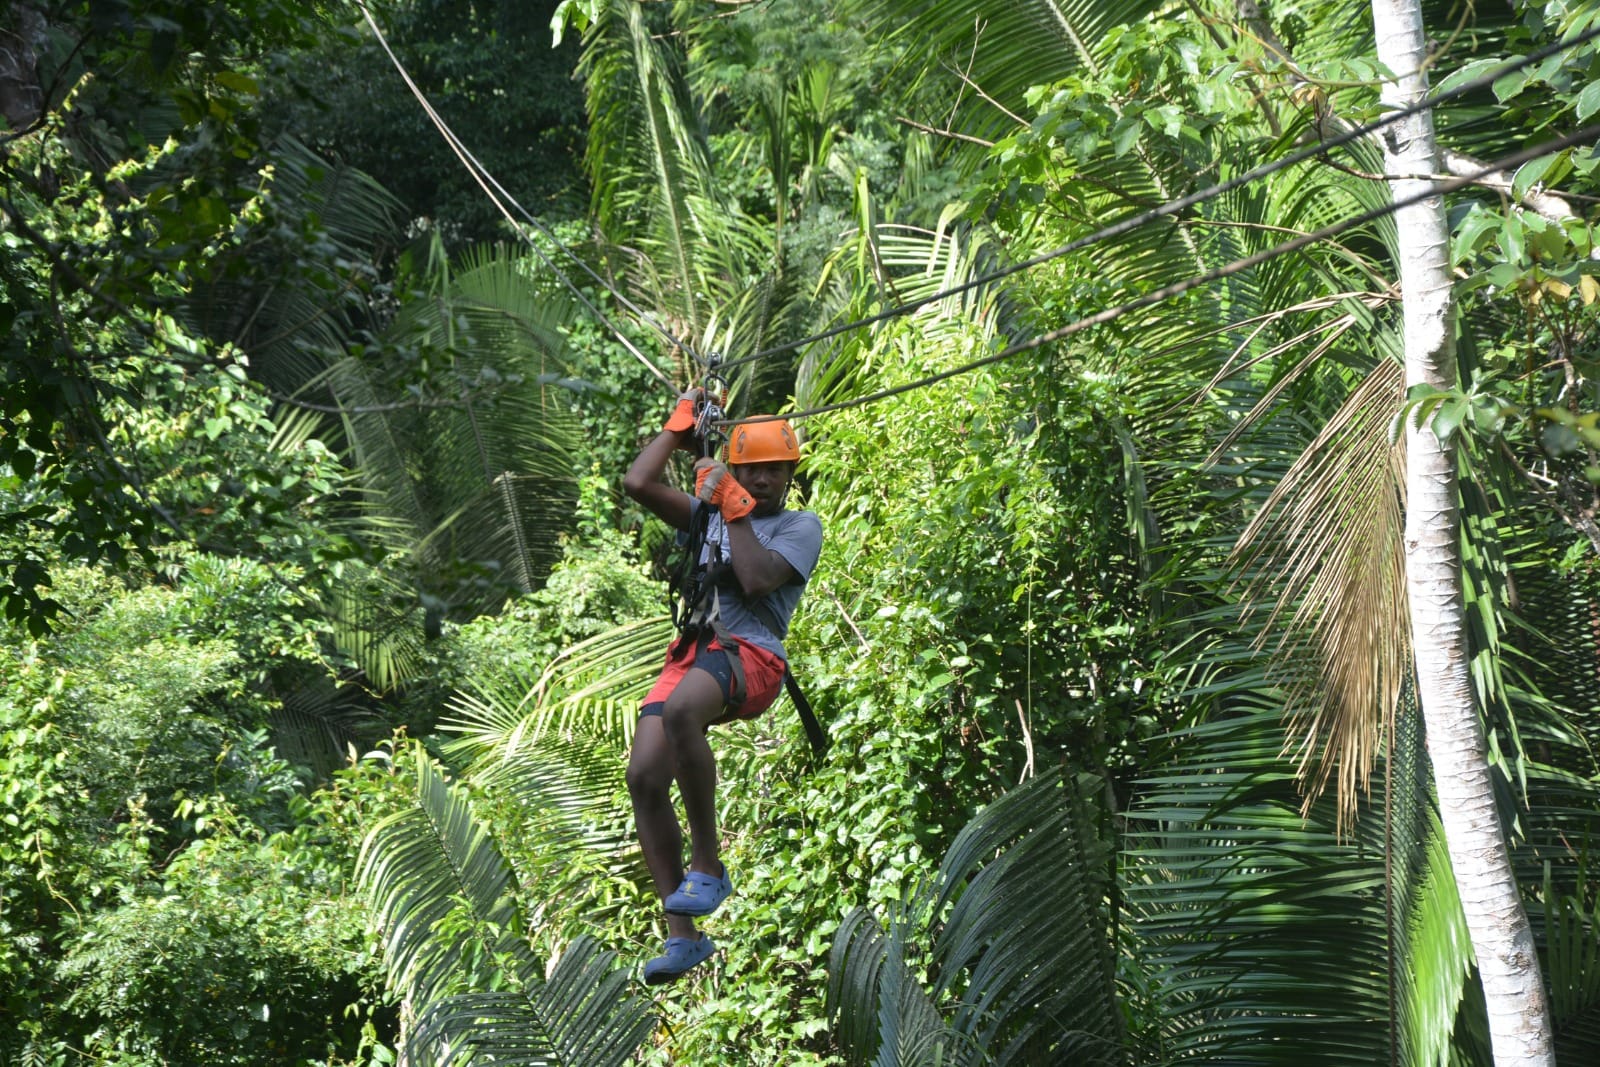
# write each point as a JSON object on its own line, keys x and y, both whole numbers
{"x": 1105, "y": 233}
{"x": 1173, "y": 207}
{"x": 1157, "y": 296}
{"x": 639, "y": 313}
{"x": 468, "y": 162}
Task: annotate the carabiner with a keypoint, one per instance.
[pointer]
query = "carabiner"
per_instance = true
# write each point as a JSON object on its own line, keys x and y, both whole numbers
{"x": 714, "y": 388}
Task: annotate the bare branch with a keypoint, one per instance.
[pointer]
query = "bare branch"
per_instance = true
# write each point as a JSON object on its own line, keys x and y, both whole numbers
{"x": 952, "y": 134}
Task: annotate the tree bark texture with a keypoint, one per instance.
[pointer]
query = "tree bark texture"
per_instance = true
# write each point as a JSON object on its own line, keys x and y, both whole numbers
{"x": 1502, "y": 941}
{"x": 22, "y": 35}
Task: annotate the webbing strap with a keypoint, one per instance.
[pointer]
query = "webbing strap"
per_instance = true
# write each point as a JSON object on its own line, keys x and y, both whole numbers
{"x": 708, "y": 613}
{"x": 690, "y": 587}
{"x": 808, "y": 718}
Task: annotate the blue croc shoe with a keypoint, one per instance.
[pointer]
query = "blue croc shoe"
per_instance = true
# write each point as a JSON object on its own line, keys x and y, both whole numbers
{"x": 699, "y": 894}
{"x": 681, "y": 956}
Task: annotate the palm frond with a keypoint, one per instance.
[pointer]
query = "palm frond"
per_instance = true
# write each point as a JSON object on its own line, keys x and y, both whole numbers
{"x": 584, "y": 1015}
{"x": 882, "y": 1014}
{"x": 1023, "y": 954}
{"x": 375, "y": 447}
{"x": 570, "y": 795}
{"x": 1026, "y": 941}
{"x": 377, "y": 624}
{"x": 593, "y": 685}
{"x": 1572, "y": 968}
{"x": 1298, "y": 393}
{"x": 294, "y": 328}
{"x": 472, "y": 492}
{"x": 373, "y": 616}
{"x": 318, "y": 722}
{"x": 444, "y": 901}
{"x": 294, "y": 427}
{"x": 440, "y": 891}
{"x": 1262, "y": 930}
{"x": 1430, "y": 954}
{"x": 1002, "y": 50}
{"x": 566, "y": 782}
{"x": 649, "y": 164}
{"x": 902, "y": 264}
{"x": 1329, "y": 542}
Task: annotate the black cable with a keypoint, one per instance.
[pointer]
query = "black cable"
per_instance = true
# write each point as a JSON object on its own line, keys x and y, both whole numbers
{"x": 1173, "y": 207}
{"x": 1439, "y": 188}
{"x": 1116, "y": 229}
{"x": 476, "y": 167}
{"x": 638, "y": 312}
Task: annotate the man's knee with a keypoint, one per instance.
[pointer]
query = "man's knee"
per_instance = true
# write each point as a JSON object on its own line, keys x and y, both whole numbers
{"x": 691, "y": 706}
{"x": 685, "y": 719}
{"x": 648, "y": 779}
{"x": 651, "y": 765}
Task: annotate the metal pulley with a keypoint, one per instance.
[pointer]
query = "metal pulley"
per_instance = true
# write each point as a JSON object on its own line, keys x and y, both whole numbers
{"x": 714, "y": 388}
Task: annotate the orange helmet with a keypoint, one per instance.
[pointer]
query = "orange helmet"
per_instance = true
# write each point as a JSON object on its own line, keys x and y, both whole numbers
{"x": 763, "y": 442}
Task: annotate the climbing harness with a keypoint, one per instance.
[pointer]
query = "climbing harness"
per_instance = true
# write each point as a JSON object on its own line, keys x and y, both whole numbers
{"x": 688, "y": 582}
{"x": 696, "y": 609}
{"x": 717, "y": 580}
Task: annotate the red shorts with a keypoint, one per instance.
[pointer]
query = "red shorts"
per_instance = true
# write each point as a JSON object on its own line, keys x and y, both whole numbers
{"x": 763, "y": 675}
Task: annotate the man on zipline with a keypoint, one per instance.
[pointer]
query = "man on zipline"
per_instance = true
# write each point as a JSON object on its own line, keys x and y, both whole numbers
{"x": 728, "y": 663}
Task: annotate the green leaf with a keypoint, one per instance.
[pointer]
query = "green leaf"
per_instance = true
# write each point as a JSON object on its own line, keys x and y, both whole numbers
{"x": 1125, "y": 136}
{"x": 239, "y": 83}
{"x": 1534, "y": 171}
{"x": 1588, "y": 101}
{"x": 575, "y": 13}
{"x": 1510, "y": 85}
{"x": 1476, "y": 69}
{"x": 1471, "y": 231}
{"x": 1448, "y": 420}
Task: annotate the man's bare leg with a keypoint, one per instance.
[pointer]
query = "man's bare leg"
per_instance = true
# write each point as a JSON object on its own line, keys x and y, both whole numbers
{"x": 651, "y": 769}
{"x": 693, "y": 705}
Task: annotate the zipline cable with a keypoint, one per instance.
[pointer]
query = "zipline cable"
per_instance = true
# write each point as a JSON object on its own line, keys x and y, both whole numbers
{"x": 1157, "y": 296}
{"x": 482, "y": 173}
{"x": 468, "y": 161}
{"x": 1116, "y": 229}
{"x": 1173, "y": 207}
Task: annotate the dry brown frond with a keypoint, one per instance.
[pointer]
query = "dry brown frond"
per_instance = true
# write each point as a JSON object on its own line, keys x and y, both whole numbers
{"x": 1327, "y": 550}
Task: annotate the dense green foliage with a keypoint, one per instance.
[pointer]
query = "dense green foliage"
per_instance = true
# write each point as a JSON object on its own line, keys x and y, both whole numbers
{"x": 327, "y": 625}
{"x": 488, "y": 68}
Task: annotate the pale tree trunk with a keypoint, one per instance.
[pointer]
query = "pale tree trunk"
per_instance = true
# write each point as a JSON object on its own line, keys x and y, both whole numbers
{"x": 1519, "y": 1016}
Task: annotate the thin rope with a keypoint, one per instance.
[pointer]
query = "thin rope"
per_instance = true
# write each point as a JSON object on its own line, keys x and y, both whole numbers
{"x": 468, "y": 161}
{"x": 640, "y": 313}
{"x": 1157, "y": 296}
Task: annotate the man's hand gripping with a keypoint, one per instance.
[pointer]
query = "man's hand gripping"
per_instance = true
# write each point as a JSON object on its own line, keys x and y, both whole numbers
{"x": 714, "y": 485}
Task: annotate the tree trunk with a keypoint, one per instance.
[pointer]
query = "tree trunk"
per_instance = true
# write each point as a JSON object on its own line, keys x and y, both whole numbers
{"x": 23, "y": 35}
{"x": 1519, "y": 1017}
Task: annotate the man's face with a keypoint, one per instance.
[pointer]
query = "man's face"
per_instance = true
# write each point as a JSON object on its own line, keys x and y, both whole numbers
{"x": 767, "y": 482}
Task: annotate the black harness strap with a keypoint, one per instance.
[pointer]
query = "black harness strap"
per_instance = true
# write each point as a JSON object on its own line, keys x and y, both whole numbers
{"x": 808, "y": 717}
{"x": 701, "y": 614}
{"x": 690, "y": 580}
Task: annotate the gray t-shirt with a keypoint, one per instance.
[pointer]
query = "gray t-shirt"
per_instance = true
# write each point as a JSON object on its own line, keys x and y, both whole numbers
{"x": 794, "y": 535}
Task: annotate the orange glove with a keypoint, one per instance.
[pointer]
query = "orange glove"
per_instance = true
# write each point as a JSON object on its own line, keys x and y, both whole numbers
{"x": 714, "y": 485}
{"x": 682, "y": 417}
